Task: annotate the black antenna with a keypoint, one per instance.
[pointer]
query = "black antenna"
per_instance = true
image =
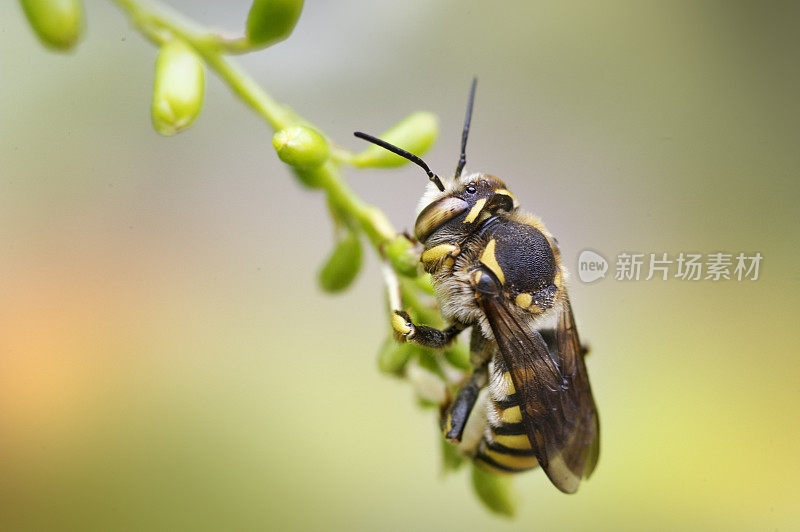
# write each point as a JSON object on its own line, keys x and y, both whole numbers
{"x": 463, "y": 159}
{"x": 403, "y": 153}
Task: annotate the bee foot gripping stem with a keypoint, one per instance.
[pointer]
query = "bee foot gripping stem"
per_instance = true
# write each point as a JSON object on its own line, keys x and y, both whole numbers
{"x": 423, "y": 335}
{"x": 403, "y": 326}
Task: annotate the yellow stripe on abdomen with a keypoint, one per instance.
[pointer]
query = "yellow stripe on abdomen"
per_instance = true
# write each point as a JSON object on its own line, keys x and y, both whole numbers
{"x": 511, "y": 415}
{"x": 512, "y": 461}
{"x": 518, "y": 441}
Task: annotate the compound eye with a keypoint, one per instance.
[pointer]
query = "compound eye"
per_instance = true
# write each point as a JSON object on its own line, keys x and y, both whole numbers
{"x": 471, "y": 188}
{"x": 437, "y": 213}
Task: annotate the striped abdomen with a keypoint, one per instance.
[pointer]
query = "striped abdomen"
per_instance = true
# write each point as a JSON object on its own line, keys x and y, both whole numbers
{"x": 505, "y": 446}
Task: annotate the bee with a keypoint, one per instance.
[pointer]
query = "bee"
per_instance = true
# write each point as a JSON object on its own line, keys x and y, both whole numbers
{"x": 497, "y": 269}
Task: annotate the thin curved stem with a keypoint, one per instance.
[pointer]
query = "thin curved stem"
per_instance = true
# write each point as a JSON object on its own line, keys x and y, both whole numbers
{"x": 159, "y": 23}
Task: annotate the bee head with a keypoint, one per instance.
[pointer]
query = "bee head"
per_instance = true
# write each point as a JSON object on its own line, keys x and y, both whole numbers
{"x": 466, "y": 201}
{"x": 460, "y": 203}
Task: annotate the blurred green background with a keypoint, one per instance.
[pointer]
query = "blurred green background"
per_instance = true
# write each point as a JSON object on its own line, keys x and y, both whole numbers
{"x": 167, "y": 362}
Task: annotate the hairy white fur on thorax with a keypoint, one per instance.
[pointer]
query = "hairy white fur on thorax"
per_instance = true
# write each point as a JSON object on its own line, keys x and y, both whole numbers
{"x": 457, "y": 298}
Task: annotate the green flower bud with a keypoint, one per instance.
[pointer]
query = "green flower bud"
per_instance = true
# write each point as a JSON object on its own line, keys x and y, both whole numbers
{"x": 401, "y": 255}
{"x": 343, "y": 264}
{"x": 415, "y": 133}
{"x": 451, "y": 460}
{"x": 393, "y": 356}
{"x": 427, "y": 360}
{"x": 495, "y": 491}
{"x": 301, "y": 146}
{"x": 178, "y": 88}
{"x": 458, "y": 356}
{"x": 271, "y": 21}
{"x": 309, "y": 177}
{"x": 57, "y": 23}
{"x": 424, "y": 283}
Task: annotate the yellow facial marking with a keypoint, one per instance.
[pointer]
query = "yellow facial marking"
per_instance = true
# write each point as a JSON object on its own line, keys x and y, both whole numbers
{"x": 519, "y": 441}
{"x": 511, "y": 415}
{"x": 399, "y": 324}
{"x": 475, "y": 211}
{"x": 536, "y": 309}
{"x": 490, "y": 261}
{"x": 505, "y": 193}
{"x": 524, "y": 300}
{"x": 437, "y": 252}
{"x": 558, "y": 279}
{"x": 506, "y": 384}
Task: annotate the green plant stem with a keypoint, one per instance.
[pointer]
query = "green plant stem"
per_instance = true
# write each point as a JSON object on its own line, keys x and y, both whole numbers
{"x": 159, "y": 23}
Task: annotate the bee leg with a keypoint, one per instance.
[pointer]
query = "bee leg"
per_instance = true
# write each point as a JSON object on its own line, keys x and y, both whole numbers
{"x": 422, "y": 334}
{"x": 549, "y": 336}
{"x": 458, "y": 414}
{"x": 456, "y": 418}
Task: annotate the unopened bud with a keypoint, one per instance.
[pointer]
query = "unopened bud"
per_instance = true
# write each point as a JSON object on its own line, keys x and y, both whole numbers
{"x": 457, "y": 355}
{"x": 415, "y": 133}
{"x": 451, "y": 460}
{"x": 301, "y": 147}
{"x": 343, "y": 264}
{"x": 271, "y": 21}
{"x": 495, "y": 491}
{"x": 401, "y": 255}
{"x": 57, "y": 23}
{"x": 393, "y": 356}
{"x": 178, "y": 88}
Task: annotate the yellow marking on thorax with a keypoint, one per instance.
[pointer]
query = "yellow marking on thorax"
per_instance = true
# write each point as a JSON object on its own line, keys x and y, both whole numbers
{"x": 518, "y": 441}
{"x": 509, "y": 460}
{"x": 524, "y": 300}
{"x": 475, "y": 211}
{"x": 511, "y": 415}
{"x": 489, "y": 260}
